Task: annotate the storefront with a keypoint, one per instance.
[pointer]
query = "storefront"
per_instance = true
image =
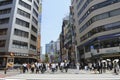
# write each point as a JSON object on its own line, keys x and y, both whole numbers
{"x": 5, "y": 59}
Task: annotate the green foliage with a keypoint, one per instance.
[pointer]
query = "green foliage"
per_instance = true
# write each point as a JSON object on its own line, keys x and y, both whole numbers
{"x": 46, "y": 58}
{"x": 56, "y": 58}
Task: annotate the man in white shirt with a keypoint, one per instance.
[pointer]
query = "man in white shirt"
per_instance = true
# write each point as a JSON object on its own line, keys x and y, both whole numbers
{"x": 62, "y": 66}
{"x": 24, "y": 67}
{"x": 53, "y": 66}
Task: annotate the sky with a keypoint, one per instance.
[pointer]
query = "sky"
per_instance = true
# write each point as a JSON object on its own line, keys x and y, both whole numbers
{"x": 53, "y": 12}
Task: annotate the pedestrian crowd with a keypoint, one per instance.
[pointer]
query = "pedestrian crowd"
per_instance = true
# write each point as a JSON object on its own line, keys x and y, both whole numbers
{"x": 100, "y": 67}
{"x": 41, "y": 67}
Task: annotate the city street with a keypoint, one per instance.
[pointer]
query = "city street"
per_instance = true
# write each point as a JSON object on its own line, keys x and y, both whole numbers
{"x": 71, "y": 75}
{"x": 59, "y": 39}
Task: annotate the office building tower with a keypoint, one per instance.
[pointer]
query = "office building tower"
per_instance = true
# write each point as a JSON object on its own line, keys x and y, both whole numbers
{"x": 18, "y": 30}
{"x": 97, "y": 27}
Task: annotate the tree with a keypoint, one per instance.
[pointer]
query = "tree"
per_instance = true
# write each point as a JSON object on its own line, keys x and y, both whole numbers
{"x": 56, "y": 57}
{"x": 46, "y": 58}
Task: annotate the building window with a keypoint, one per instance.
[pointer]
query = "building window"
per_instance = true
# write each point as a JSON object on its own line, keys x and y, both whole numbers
{"x": 21, "y": 33}
{"x": 22, "y": 23}
{"x": 34, "y": 20}
{"x": 79, "y": 4}
{"x": 38, "y": 1}
{"x": 22, "y": 3}
{"x": 30, "y": 0}
{"x": 107, "y": 27}
{"x": 34, "y": 29}
{"x": 115, "y": 12}
{"x": 5, "y": 11}
{"x": 35, "y": 13}
{"x": 97, "y": 6}
{"x": 4, "y": 20}
{"x": 2, "y": 43}
{"x": 23, "y": 13}
{"x": 5, "y": 2}
{"x": 20, "y": 44}
{"x": 100, "y": 17}
{"x": 33, "y": 38}
{"x": 84, "y": 6}
{"x": 107, "y": 43}
{"x": 3, "y": 31}
{"x": 36, "y": 5}
{"x": 32, "y": 47}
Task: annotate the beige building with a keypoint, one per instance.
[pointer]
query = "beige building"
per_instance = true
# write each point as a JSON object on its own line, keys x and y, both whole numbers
{"x": 97, "y": 29}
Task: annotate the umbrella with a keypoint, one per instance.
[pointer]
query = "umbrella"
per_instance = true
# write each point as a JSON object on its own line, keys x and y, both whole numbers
{"x": 108, "y": 59}
{"x": 116, "y": 60}
{"x": 103, "y": 60}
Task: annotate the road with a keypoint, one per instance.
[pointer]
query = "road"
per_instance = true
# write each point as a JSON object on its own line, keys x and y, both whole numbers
{"x": 71, "y": 75}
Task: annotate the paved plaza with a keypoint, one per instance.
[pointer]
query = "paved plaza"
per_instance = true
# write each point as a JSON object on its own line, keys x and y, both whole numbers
{"x": 71, "y": 75}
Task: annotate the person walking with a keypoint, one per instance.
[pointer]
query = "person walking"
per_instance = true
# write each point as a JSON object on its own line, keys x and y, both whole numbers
{"x": 56, "y": 66}
{"x": 95, "y": 67}
{"x": 62, "y": 66}
{"x": 48, "y": 67}
{"x": 116, "y": 67}
{"x": 43, "y": 67}
{"x": 66, "y": 66}
{"x": 37, "y": 67}
{"x": 53, "y": 67}
{"x": 32, "y": 67}
{"x": 78, "y": 67}
{"x": 100, "y": 66}
{"x": 24, "y": 67}
{"x": 40, "y": 66}
{"x": 104, "y": 66}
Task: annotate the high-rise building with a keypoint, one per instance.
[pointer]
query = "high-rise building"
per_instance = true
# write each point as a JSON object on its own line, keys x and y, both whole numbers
{"x": 53, "y": 50}
{"x": 65, "y": 39}
{"x": 97, "y": 27}
{"x": 50, "y": 50}
{"x": 18, "y": 30}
